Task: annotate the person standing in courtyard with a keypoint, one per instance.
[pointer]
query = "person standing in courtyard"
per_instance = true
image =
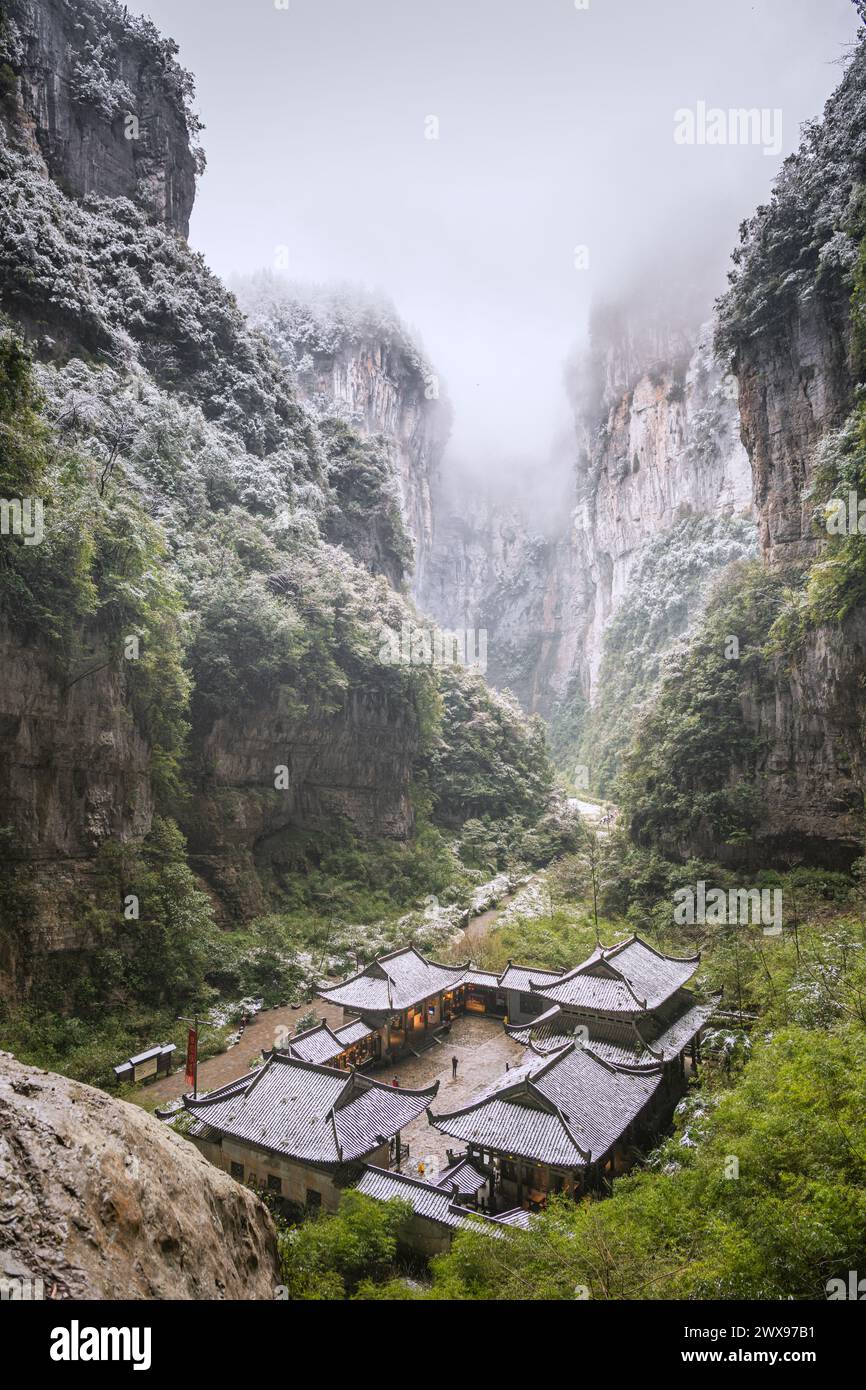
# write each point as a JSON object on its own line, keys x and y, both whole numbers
{"x": 453, "y": 1068}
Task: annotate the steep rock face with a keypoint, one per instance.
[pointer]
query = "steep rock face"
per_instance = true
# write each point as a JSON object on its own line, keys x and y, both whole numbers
{"x": 105, "y": 102}
{"x": 352, "y": 357}
{"x": 76, "y": 768}
{"x": 75, "y": 774}
{"x": 98, "y": 1200}
{"x": 795, "y": 383}
{"x": 811, "y": 725}
{"x": 381, "y": 394}
{"x": 354, "y": 765}
{"x": 787, "y": 319}
{"x": 77, "y": 777}
{"x": 658, "y": 441}
{"x": 491, "y": 574}
{"x": 667, "y": 449}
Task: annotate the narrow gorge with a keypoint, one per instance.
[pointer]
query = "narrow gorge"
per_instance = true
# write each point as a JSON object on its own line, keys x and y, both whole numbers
{"x": 243, "y": 788}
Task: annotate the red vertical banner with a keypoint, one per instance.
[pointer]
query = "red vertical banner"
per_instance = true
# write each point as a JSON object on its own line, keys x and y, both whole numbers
{"x": 191, "y": 1054}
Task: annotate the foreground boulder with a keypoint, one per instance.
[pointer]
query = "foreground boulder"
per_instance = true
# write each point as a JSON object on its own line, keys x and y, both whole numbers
{"x": 100, "y": 1200}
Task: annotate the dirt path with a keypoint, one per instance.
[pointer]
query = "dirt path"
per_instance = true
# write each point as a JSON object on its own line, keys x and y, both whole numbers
{"x": 228, "y": 1066}
{"x": 479, "y": 926}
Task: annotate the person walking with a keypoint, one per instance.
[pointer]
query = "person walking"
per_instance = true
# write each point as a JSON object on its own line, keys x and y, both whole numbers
{"x": 453, "y": 1068}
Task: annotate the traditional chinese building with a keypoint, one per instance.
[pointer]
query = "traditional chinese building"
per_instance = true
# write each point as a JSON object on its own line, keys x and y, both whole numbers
{"x": 401, "y": 998}
{"x": 626, "y": 1002}
{"x": 437, "y": 1210}
{"x": 353, "y": 1045}
{"x": 565, "y": 1122}
{"x": 605, "y": 1064}
{"x": 301, "y": 1130}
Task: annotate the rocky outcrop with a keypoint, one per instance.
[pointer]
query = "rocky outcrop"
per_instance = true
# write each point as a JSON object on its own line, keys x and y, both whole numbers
{"x": 351, "y": 356}
{"x": 382, "y": 393}
{"x": 492, "y": 572}
{"x": 75, "y": 770}
{"x": 105, "y": 101}
{"x": 98, "y": 1200}
{"x": 75, "y": 774}
{"x": 668, "y": 449}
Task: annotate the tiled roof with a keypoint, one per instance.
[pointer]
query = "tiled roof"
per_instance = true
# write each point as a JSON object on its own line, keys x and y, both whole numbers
{"x": 323, "y": 1044}
{"x": 627, "y": 978}
{"x": 468, "y": 1176}
{"x": 516, "y": 1217}
{"x": 309, "y": 1112}
{"x": 353, "y": 1032}
{"x": 612, "y": 1040}
{"x": 550, "y": 1023}
{"x": 521, "y": 977}
{"x": 426, "y": 1200}
{"x": 481, "y": 977}
{"x": 680, "y": 1030}
{"x": 393, "y": 982}
{"x": 624, "y": 1042}
{"x": 567, "y": 1110}
{"x": 317, "y": 1044}
{"x": 396, "y": 981}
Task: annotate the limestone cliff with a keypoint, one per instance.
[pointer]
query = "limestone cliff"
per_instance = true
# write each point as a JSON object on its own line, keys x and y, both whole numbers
{"x": 147, "y": 370}
{"x": 98, "y": 1200}
{"x": 351, "y": 356}
{"x": 667, "y": 449}
{"x": 657, "y": 442}
{"x": 105, "y": 101}
{"x": 353, "y": 765}
{"x": 795, "y": 384}
{"x": 490, "y": 571}
{"x": 789, "y": 322}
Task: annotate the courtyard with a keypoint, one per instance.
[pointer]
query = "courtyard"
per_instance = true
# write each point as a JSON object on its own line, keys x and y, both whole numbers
{"x": 483, "y": 1050}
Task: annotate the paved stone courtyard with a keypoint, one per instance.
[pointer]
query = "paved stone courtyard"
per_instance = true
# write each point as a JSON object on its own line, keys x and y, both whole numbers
{"x": 483, "y": 1048}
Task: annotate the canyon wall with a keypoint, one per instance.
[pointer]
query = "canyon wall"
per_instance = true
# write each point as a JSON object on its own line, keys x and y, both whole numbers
{"x": 796, "y": 386}
{"x": 213, "y": 424}
{"x": 352, "y": 357}
{"x": 106, "y": 103}
{"x": 667, "y": 449}
{"x": 796, "y": 383}
{"x": 657, "y": 441}
{"x": 790, "y": 321}
{"x": 353, "y": 766}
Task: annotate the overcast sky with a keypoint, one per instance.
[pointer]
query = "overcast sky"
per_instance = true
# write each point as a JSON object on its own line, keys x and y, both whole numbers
{"x": 556, "y": 131}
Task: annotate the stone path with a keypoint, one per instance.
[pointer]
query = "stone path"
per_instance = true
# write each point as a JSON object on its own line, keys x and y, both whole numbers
{"x": 483, "y": 1048}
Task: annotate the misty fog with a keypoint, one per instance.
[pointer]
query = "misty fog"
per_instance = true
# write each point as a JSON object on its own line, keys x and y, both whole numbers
{"x": 496, "y": 168}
